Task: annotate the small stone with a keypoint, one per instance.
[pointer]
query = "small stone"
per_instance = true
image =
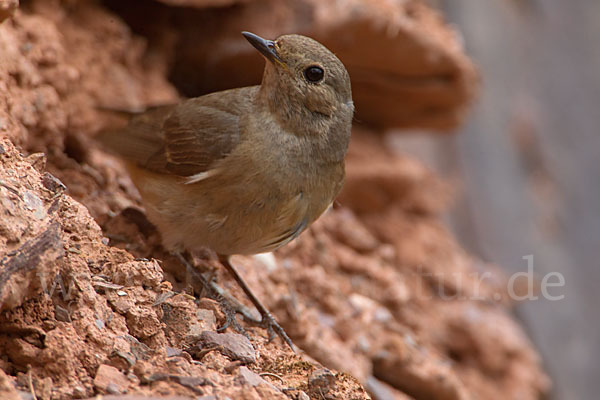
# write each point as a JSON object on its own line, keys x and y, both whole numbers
{"x": 250, "y": 378}
{"x": 32, "y": 202}
{"x": 128, "y": 357}
{"x": 48, "y": 325}
{"x": 62, "y": 314}
{"x": 79, "y": 392}
{"x": 112, "y": 389}
{"x": 7, "y": 388}
{"x": 207, "y": 319}
{"x": 122, "y": 304}
{"x": 321, "y": 381}
{"x": 121, "y": 293}
{"x": 37, "y": 161}
{"x": 379, "y": 390}
{"x": 232, "y": 345}
{"x": 52, "y": 183}
{"x": 302, "y": 396}
{"x": 22, "y": 353}
{"x": 142, "y": 322}
{"x": 171, "y": 352}
{"x": 22, "y": 395}
{"x": 110, "y": 380}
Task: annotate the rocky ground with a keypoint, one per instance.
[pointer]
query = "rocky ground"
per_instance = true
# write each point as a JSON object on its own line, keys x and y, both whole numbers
{"x": 378, "y": 297}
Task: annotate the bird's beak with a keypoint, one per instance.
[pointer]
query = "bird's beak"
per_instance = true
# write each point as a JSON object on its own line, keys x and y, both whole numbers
{"x": 267, "y": 48}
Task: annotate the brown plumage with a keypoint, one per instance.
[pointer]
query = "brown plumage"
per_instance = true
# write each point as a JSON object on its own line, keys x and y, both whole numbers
{"x": 246, "y": 170}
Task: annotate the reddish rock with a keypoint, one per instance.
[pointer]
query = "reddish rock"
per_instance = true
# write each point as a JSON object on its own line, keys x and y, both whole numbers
{"x": 251, "y": 378}
{"x": 377, "y": 179}
{"x": 7, "y": 389}
{"x": 382, "y": 391}
{"x": 110, "y": 380}
{"x": 321, "y": 382}
{"x": 233, "y": 345}
{"x": 143, "y": 322}
{"x": 28, "y": 231}
{"x": 7, "y": 8}
{"x": 404, "y": 366}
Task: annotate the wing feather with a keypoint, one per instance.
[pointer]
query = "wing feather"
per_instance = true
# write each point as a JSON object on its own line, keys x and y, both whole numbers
{"x": 183, "y": 139}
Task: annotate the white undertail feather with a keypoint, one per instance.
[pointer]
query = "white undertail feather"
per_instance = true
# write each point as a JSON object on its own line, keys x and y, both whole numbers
{"x": 200, "y": 176}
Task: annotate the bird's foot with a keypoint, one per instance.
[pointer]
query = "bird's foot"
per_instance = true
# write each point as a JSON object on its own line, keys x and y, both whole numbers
{"x": 231, "y": 307}
{"x": 267, "y": 320}
{"x": 273, "y": 328}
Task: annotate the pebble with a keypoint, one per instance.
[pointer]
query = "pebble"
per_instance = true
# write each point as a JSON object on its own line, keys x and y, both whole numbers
{"x": 232, "y": 345}
{"x": 321, "y": 381}
{"x": 110, "y": 380}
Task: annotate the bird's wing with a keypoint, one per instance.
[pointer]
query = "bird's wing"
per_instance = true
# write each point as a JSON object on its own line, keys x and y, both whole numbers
{"x": 183, "y": 139}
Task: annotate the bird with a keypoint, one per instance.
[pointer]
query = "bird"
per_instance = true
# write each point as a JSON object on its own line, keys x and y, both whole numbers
{"x": 246, "y": 170}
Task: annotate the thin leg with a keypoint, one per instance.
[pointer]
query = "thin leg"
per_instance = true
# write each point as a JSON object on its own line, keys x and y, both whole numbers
{"x": 267, "y": 319}
{"x": 229, "y": 305}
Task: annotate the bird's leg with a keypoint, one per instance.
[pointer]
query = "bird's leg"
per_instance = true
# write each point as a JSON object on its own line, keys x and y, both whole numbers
{"x": 267, "y": 319}
{"x": 229, "y": 305}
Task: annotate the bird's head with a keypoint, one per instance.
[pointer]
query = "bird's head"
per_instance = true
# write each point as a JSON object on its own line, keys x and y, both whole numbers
{"x": 303, "y": 77}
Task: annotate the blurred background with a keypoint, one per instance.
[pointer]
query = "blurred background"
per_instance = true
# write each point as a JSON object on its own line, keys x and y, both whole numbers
{"x": 528, "y": 159}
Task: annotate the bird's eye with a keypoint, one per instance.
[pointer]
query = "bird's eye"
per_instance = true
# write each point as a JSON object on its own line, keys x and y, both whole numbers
{"x": 314, "y": 74}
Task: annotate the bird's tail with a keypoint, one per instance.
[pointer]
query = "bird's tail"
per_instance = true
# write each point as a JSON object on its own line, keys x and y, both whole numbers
{"x": 139, "y": 138}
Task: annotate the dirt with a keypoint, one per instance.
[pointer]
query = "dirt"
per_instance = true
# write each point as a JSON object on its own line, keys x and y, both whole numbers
{"x": 378, "y": 297}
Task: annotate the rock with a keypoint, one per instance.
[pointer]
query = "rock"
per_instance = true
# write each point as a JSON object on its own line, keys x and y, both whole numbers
{"x": 376, "y": 180}
{"x": 321, "y": 381}
{"x": 142, "y": 322}
{"x": 140, "y": 273}
{"x": 351, "y": 232}
{"x": 7, "y": 389}
{"x": 139, "y": 350}
{"x": 382, "y": 391}
{"x": 185, "y": 321}
{"x": 7, "y": 8}
{"x": 191, "y": 382}
{"x": 52, "y": 183}
{"x": 233, "y": 345}
{"x": 406, "y": 368}
{"x": 250, "y": 378}
{"x": 302, "y": 396}
{"x": 31, "y": 243}
{"x": 206, "y": 319}
{"x": 23, "y": 353}
{"x": 110, "y": 380}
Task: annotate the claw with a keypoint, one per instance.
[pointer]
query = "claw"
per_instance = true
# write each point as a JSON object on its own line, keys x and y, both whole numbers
{"x": 267, "y": 318}
{"x": 231, "y": 306}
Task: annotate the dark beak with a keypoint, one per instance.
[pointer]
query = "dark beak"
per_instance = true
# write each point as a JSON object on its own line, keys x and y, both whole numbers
{"x": 267, "y": 48}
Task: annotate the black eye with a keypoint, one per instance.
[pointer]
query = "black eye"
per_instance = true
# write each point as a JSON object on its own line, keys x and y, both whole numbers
{"x": 314, "y": 73}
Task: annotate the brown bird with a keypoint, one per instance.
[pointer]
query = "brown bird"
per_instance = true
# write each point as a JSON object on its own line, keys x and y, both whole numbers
{"x": 245, "y": 171}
